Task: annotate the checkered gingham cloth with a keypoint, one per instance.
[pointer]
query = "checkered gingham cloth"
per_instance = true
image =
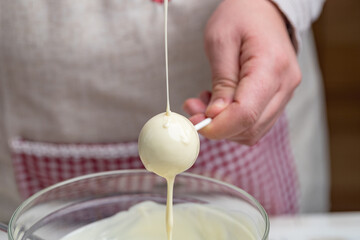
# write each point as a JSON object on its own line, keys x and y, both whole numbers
{"x": 266, "y": 170}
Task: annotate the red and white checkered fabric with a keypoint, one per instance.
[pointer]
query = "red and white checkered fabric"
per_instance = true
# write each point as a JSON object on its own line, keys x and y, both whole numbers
{"x": 266, "y": 170}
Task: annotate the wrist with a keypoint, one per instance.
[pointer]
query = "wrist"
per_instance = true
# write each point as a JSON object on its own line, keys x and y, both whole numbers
{"x": 289, "y": 27}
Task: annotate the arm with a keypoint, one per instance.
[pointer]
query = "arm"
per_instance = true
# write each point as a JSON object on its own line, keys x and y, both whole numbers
{"x": 299, "y": 14}
{"x": 254, "y": 68}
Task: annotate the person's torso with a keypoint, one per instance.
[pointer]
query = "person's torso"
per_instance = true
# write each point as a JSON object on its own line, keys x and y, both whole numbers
{"x": 93, "y": 70}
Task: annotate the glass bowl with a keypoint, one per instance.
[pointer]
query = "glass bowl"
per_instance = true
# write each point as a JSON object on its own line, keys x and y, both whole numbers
{"x": 64, "y": 207}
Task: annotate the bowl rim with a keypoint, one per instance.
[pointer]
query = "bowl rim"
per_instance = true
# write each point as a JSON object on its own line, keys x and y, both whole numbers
{"x": 137, "y": 171}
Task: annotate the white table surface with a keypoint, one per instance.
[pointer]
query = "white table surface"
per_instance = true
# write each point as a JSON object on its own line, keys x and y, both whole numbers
{"x": 331, "y": 226}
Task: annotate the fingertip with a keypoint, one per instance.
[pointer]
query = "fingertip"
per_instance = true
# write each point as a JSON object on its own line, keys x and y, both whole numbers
{"x": 208, "y": 131}
{"x": 186, "y": 105}
{"x": 194, "y": 106}
{"x": 195, "y": 119}
{"x": 215, "y": 107}
{"x": 223, "y": 126}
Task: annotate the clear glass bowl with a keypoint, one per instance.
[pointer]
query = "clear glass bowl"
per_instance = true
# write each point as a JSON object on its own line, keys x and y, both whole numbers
{"x": 55, "y": 211}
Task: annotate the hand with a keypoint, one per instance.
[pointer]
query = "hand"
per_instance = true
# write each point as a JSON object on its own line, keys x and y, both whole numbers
{"x": 254, "y": 71}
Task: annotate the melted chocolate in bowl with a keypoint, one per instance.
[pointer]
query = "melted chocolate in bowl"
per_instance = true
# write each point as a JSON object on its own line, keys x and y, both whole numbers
{"x": 65, "y": 207}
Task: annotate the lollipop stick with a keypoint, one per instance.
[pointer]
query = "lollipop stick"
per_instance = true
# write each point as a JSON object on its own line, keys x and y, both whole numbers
{"x": 202, "y": 124}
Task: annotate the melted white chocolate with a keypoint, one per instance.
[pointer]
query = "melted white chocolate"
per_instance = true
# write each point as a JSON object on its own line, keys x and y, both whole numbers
{"x": 146, "y": 221}
{"x": 168, "y": 143}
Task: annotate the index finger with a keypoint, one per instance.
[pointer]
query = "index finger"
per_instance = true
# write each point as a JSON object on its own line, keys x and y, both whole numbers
{"x": 251, "y": 98}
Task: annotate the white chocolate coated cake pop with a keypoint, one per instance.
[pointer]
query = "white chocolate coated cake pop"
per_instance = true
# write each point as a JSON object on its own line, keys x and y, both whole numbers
{"x": 168, "y": 144}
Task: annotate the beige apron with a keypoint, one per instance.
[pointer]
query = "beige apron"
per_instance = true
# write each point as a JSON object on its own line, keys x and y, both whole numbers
{"x": 91, "y": 72}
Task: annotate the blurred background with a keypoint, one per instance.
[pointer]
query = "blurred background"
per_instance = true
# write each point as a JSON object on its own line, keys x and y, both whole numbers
{"x": 337, "y": 35}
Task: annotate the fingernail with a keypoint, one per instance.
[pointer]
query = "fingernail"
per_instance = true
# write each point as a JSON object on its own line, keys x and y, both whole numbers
{"x": 218, "y": 102}
{"x": 215, "y": 108}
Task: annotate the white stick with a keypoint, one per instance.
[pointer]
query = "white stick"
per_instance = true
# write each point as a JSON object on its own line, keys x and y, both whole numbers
{"x": 202, "y": 124}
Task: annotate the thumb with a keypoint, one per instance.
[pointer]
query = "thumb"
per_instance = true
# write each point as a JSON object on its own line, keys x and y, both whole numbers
{"x": 223, "y": 55}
